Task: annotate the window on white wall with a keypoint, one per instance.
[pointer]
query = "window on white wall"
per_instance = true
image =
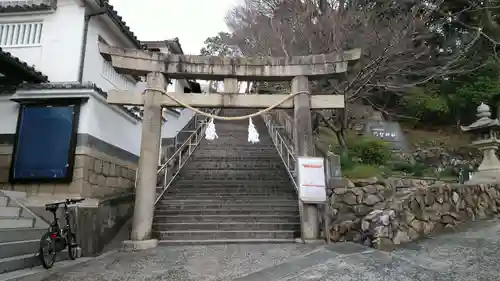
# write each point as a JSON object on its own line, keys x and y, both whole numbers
{"x": 109, "y": 73}
{"x": 20, "y": 34}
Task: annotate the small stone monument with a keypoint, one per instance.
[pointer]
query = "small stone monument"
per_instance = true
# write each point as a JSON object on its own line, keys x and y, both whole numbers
{"x": 486, "y": 140}
{"x": 388, "y": 131}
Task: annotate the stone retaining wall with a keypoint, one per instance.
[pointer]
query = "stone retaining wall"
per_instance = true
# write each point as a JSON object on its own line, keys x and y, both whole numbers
{"x": 382, "y": 217}
{"x": 100, "y": 170}
{"x": 103, "y": 174}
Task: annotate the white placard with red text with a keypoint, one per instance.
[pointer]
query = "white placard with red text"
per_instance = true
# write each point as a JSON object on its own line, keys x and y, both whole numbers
{"x": 311, "y": 177}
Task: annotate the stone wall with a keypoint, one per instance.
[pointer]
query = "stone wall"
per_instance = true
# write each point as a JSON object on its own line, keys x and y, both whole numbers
{"x": 100, "y": 170}
{"x": 103, "y": 174}
{"x": 96, "y": 223}
{"x": 96, "y": 227}
{"x": 383, "y": 217}
{"x": 349, "y": 205}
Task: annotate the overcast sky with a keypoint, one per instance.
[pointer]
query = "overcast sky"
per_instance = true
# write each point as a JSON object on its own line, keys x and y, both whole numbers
{"x": 190, "y": 20}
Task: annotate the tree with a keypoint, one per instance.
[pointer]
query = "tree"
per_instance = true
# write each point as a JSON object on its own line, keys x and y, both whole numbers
{"x": 217, "y": 46}
{"x": 403, "y": 45}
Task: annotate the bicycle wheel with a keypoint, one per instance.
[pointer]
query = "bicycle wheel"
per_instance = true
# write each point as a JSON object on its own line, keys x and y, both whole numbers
{"x": 72, "y": 246}
{"x": 47, "y": 250}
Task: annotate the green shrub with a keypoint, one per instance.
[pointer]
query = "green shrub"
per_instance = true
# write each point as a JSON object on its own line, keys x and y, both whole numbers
{"x": 420, "y": 170}
{"x": 346, "y": 161}
{"x": 362, "y": 171}
{"x": 404, "y": 167}
{"x": 370, "y": 151}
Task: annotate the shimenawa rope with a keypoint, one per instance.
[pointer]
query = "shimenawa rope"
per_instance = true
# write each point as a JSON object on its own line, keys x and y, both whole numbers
{"x": 210, "y": 133}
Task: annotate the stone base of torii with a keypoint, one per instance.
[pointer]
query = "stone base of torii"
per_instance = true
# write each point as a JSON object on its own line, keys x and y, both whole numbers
{"x": 157, "y": 66}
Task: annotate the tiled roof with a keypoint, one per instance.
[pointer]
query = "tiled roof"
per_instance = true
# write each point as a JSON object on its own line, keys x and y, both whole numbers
{"x": 19, "y": 7}
{"x": 113, "y": 14}
{"x": 175, "y": 46}
{"x": 134, "y": 111}
{"x": 29, "y": 73}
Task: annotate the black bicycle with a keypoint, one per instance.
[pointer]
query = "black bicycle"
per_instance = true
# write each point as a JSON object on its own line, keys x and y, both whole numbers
{"x": 57, "y": 238}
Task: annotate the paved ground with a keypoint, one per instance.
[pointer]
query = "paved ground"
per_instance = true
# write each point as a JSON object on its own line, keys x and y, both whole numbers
{"x": 469, "y": 255}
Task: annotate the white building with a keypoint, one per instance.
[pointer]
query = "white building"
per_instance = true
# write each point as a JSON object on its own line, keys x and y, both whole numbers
{"x": 61, "y": 137}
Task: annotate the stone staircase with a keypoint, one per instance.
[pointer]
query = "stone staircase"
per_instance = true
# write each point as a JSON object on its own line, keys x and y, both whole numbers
{"x": 230, "y": 191}
{"x": 20, "y": 233}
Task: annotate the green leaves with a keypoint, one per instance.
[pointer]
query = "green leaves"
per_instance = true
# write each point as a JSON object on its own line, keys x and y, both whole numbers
{"x": 217, "y": 46}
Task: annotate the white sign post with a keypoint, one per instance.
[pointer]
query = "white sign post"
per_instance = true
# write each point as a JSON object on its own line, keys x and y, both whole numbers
{"x": 312, "y": 182}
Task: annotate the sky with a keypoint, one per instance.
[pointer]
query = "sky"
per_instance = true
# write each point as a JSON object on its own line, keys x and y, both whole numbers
{"x": 192, "y": 21}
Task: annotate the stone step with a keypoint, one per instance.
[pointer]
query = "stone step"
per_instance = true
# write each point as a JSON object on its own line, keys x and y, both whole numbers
{"x": 278, "y": 211}
{"x": 236, "y": 172}
{"x": 19, "y": 248}
{"x": 225, "y": 241}
{"x": 232, "y": 193}
{"x": 226, "y": 206}
{"x": 26, "y": 261}
{"x": 21, "y": 234}
{"x": 224, "y": 154}
{"x": 229, "y": 196}
{"x": 227, "y": 218}
{"x": 16, "y": 223}
{"x": 235, "y": 139}
{"x": 240, "y": 150}
{"x": 238, "y": 158}
{"x": 245, "y": 145}
{"x": 278, "y": 182}
{"x": 249, "y": 176}
{"x": 236, "y": 133}
{"x": 274, "y": 201}
{"x": 3, "y": 201}
{"x": 235, "y": 234}
{"x": 219, "y": 165}
{"x": 10, "y": 212}
{"x": 283, "y": 189}
{"x": 226, "y": 226}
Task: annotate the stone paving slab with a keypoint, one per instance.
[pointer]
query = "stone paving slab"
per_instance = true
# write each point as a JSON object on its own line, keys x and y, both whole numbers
{"x": 469, "y": 255}
{"x": 200, "y": 263}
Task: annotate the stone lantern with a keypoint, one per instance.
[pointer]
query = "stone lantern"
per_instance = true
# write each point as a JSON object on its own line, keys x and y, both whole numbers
{"x": 486, "y": 132}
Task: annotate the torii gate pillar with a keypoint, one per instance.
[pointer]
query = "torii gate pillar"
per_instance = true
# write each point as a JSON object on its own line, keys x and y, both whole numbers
{"x": 145, "y": 192}
{"x": 304, "y": 146}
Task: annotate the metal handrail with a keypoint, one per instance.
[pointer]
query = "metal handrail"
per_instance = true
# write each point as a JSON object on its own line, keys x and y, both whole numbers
{"x": 284, "y": 149}
{"x": 286, "y": 153}
{"x": 285, "y": 123}
{"x": 182, "y": 154}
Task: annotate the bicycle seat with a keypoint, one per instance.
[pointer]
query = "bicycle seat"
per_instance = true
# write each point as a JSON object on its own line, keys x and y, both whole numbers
{"x": 52, "y": 207}
{"x": 74, "y": 201}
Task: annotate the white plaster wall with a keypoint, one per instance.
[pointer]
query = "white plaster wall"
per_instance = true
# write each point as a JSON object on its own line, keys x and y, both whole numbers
{"x": 58, "y": 56}
{"x": 9, "y": 112}
{"x": 94, "y": 63}
{"x": 98, "y": 120}
{"x": 171, "y": 129}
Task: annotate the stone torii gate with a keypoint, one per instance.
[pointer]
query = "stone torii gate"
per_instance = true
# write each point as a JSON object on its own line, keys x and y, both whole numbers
{"x": 158, "y": 66}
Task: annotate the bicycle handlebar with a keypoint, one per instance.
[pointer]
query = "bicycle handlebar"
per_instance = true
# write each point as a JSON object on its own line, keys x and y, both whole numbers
{"x": 66, "y": 202}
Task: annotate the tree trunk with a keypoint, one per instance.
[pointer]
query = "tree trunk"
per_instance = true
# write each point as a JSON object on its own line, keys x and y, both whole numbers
{"x": 340, "y": 134}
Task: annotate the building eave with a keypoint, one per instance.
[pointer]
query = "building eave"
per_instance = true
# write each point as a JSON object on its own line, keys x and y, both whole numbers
{"x": 122, "y": 25}
{"x": 13, "y": 66}
{"x": 28, "y": 8}
{"x": 132, "y": 111}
